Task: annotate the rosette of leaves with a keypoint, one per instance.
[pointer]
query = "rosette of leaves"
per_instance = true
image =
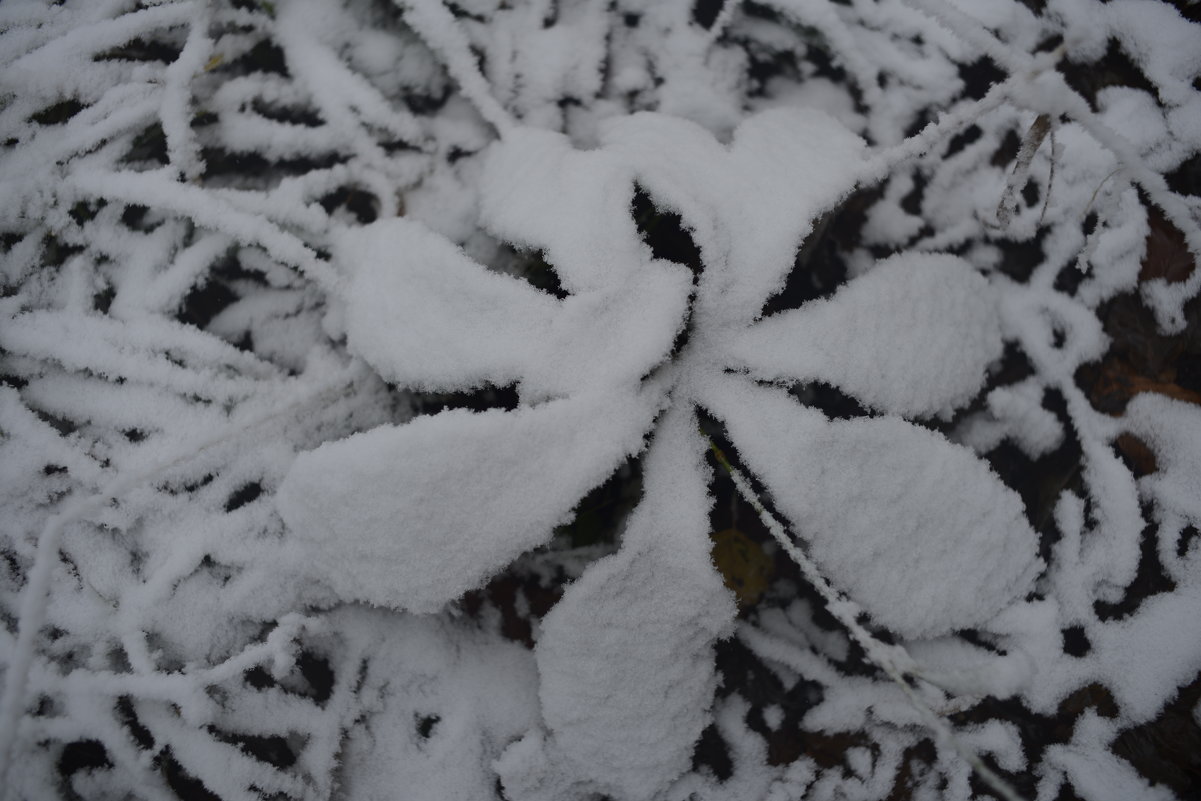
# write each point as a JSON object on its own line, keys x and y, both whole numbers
{"x": 914, "y": 528}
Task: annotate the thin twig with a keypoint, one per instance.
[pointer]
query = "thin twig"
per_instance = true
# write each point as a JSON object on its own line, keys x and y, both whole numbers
{"x": 1021, "y": 167}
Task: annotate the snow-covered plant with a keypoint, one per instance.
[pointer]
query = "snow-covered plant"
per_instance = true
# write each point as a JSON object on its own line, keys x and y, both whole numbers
{"x": 929, "y": 311}
{"x": 897, "y": 517}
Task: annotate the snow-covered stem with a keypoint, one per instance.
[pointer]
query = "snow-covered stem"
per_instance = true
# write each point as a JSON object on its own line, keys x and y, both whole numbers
{"x": 182, "y": 148}
{"x": 158, "y": 189}
{"x": 438, "y": 28}
{"x": 973, "y": 33}
{"x": 32, "y": 612}
{"x": 1054, "y": 96}
{"x": 884, "y": 161}
{"x": 894, "y": 660}
{"x": 1045, "y": 92}
{"x": 821, "y": 15}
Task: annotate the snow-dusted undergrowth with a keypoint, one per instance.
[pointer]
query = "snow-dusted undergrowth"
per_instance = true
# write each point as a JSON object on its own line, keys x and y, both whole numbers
{"x": 875, "y": 253}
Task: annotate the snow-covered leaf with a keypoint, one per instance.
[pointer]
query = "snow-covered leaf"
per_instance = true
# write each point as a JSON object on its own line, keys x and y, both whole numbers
{"x": 917, "y": 530}
{"x": 369, "y": 513}
{"x": 538, "y": 191}
{"x": 425, "y": 315}
{"x": 912, "y": 336}
{"x": 626, "y": 658}
{"x": 614, "y": 337}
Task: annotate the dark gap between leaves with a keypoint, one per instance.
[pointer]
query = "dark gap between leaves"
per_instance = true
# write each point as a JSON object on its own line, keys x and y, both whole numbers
{"x": 705, "y": 12}
{"x": 664, "y": 232}
{"x": 536, "y": 270}
{"x": 1187, "y": 537}
{"x": 711, "y": 754}
{"x": 520, "y": 596}
{"x": 313, "y": 679}
{"x": 243, "y": 495}
{"x": 273, "y": 750}
{"x": 182, "y": 783}
{"x": 482, "y": 399}
{"x": 141, "y": 50}
{"x": 1113, "y": 69}
{"x": 1076, "y": 642}
{"x": 58, "y": 113}
{"x": 425, "y": 725}
{"x": 359, "y": 203}
{"x": 961, "y": 140}
{"x": 818, "y": 268}
{"x": 979, "y": 76}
